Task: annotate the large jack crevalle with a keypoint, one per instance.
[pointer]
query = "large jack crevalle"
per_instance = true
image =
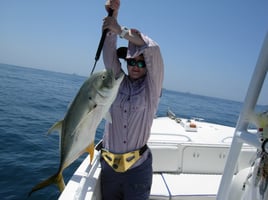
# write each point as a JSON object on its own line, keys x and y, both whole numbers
{"x": 77, "y": 129}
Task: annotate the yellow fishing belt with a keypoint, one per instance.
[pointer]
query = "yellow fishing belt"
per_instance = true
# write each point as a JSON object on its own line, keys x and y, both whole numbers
{"x": 122, "y": 162}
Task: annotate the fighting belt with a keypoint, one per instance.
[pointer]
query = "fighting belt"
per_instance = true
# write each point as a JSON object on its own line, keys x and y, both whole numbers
{"x": 122, "y": 162}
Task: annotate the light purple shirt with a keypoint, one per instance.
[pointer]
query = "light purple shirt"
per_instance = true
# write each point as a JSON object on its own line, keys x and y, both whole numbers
{"x": 136, "y": 103}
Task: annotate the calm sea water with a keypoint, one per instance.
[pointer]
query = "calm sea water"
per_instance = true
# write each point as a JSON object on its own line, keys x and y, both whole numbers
{"x": 32, "y": 100}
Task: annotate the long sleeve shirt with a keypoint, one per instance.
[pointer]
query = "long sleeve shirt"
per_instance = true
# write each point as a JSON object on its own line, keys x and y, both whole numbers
{"x": 136, "y": 103}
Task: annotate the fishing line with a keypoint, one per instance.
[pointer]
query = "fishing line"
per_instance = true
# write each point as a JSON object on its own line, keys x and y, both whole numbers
{"x": 103, "y": 36}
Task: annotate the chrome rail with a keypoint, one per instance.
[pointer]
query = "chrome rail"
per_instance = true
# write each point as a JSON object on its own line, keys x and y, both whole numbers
{"x": 241, "y": 134}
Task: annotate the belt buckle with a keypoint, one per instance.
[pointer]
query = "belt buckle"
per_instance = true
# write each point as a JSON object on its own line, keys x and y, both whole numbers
{"x": 121, "y": 162}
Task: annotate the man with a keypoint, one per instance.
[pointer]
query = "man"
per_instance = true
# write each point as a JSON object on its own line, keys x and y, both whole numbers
{"x": 126, "y": 159}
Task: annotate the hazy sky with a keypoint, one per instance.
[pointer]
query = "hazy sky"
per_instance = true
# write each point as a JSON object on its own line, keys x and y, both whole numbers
{"x": 210, "y": 47}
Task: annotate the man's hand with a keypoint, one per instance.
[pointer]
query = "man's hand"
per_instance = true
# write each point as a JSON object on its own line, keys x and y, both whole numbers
{"x": 114, "y": 5}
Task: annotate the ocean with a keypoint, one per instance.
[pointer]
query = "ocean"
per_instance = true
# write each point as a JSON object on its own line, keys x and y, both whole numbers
{"x": 32, "y": 100}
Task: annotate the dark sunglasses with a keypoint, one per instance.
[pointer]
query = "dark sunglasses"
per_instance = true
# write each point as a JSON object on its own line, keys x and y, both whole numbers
{"x": 139, "y": 63}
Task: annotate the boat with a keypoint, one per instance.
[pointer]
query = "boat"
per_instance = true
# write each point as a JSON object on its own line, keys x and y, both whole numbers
{"x": 197, "y": 160}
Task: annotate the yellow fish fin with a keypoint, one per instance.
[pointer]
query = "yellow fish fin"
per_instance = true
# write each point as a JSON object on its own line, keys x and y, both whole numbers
{"x": 56, "y": 127}
{"x": 90, "y": 149}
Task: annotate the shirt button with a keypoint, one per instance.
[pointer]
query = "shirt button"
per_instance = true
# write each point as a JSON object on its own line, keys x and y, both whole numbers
{"x": 125, "y": 142}
{"x": 125, "y": 111}
{"x": 125, "y": 126}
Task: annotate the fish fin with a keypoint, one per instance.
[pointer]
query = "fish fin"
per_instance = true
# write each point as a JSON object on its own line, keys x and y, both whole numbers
{"x": 108, "y": 117}
{"x": 56, "y": 127}
{"x": 90, "y": 149}
{"x": 56, "y": 179}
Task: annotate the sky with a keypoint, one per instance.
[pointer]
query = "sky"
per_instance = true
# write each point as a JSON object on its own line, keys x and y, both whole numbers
{"x": 209, "y": 47}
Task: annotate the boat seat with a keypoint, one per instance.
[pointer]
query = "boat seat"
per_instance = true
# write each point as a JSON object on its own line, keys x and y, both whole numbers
{"x": 204, "y": 159}
{"x": 198, "y": 159}
{"x": 166, "y": 158}
{"x": 187, "y": 158}
{"x": 192, "y": 186}
{"x": 159, "y": 189}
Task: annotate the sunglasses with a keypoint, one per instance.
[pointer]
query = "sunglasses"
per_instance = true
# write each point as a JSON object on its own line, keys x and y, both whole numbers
{"x": 139, "y": 63}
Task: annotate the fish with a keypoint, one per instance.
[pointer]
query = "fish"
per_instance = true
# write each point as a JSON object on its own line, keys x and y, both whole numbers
{"x": 78, "y": 127}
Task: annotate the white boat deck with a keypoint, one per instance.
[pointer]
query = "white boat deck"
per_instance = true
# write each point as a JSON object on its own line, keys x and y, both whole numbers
{"x": 179, "y": 132}
{"x": 188, "y": 162}
{"x": 184, "y": 186}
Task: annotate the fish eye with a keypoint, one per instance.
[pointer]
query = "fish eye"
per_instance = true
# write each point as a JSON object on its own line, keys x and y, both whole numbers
{"x": 103, "y": 77}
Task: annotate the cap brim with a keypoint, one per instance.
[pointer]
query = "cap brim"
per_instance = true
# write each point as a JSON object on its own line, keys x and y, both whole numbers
{"x": 122, "y": 52}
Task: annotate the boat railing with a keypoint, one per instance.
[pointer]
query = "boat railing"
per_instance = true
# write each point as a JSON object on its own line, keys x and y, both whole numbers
{"x": 88, "y": 175}
{"x": 173, "y": 116}
{"x": 226, "y": 138}
{"x": 176, "y": 135}
{"x": 242, "y": 135}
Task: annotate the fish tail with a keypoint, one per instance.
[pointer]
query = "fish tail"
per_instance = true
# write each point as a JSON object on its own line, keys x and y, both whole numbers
{"x": 55, "y": 179}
